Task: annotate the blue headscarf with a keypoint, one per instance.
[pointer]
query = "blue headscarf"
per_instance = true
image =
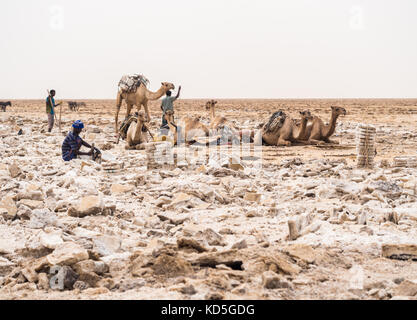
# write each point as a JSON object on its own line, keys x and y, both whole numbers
{"x": 78, "y": 124}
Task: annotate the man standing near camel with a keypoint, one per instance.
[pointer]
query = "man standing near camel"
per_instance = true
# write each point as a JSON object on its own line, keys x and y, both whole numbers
{"x": 168, "y": 104}
{"x": 50, "y": 109}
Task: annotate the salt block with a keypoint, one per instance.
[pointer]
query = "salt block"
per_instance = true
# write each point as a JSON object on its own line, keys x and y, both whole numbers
{"x": 399, "y": 251}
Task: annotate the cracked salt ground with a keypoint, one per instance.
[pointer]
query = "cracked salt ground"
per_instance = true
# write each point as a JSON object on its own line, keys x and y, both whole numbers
{"x": 295, "y": 228}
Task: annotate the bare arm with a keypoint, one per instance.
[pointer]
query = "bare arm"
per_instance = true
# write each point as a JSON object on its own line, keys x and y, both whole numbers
{"x": 85, "y": 144}
{"x": 178, "y": 94}
{"x": 80, "y": 153}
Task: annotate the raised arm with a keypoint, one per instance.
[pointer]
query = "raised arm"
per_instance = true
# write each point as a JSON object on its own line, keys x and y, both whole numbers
{"x": 178, "y": 94}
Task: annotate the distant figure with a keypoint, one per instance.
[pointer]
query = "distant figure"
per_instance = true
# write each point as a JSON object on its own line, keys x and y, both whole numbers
{"x": 3, "y": 105}
{"x": 168, "y": 104}
{"x": 75, "y": 106}
{"x": 73, "y": 142}
{"x": 50, "y": 109}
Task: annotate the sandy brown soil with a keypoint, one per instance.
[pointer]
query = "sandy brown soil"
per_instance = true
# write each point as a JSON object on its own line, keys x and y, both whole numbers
{"x": 194, "y": 232}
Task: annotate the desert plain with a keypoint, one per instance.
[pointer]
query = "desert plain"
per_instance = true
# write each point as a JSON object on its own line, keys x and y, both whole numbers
{"x": 202, "y": 228}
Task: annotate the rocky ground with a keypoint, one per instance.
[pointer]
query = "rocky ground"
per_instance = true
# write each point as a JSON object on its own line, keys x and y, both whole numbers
{"x": 287, "y": 223}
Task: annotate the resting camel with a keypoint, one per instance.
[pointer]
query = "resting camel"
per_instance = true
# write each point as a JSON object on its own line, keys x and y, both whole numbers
{"x": 300, "y": 133}
{"x": 3, "y": 105}
{"x": 278, "y": 131}
{"x": 221, "y": 125}
{"x": 193, "y": 128}
{"x": 319, "y": 133}
{"x": 215, "y": 122}
{"x": 282, "y": 130}
{"x": 140, "y": 98}
{"x": 137, "y": 135}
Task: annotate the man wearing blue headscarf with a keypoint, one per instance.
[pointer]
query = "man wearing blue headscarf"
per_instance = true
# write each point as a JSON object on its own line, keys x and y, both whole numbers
{"x": 73, "y": 142}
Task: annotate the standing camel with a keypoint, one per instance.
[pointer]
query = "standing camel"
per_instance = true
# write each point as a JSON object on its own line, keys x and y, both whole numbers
{"x": 75, "y": 106}
{"x": 140, "y": 98}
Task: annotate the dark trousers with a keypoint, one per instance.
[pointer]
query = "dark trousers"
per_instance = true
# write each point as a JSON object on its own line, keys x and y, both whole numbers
{"x": 50, "y": 122}
{"x": 164, "y": 122}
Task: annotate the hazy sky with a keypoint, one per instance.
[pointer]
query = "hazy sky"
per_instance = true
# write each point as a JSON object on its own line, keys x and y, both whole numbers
{"x": 216, "y": 48}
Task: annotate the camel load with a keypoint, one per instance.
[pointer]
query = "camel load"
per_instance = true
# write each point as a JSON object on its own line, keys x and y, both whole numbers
{"x": 405, "y": 162}
{"x": 275, "y": 122}
{"x": 130, "y": 83}
{"x": 127, "y": 124}
{"x": 365, "y": 145}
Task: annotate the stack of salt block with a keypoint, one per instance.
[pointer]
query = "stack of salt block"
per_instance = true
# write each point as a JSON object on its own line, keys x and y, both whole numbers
{"x": 159, "y": 155}
{"x": 112, "y": 167}
{"x": 406, "y": 162}
{"x": 365, "y": 145}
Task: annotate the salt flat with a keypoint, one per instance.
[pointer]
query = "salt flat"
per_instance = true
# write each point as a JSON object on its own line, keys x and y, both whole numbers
{"x": 203, "y": 230}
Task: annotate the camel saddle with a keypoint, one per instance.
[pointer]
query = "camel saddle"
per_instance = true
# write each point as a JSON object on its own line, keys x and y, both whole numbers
{"x": 124, "y": 127}
{"x": 130, "y": 83}
{"x": 275, "y": 122}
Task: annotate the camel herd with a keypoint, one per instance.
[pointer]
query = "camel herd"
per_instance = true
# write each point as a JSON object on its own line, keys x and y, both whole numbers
{"x": 75, "y": 106}
{"x": 280, "y": 130}
{"x": 283, "y": 130}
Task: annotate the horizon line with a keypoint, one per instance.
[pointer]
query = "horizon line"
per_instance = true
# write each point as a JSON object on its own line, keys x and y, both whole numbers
{"x": 203, "y": 98}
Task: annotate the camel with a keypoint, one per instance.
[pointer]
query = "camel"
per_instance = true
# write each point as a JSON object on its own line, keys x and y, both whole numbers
{"x": 193, "y": 128}
{"x": 299, "y": 133}
{"x": 75, "y": 106}
{"x": 319, "y": 133}
{"x": 215, "y": 122}
{"x": 221, "y": 125}
{"x": 282, "y": 130}
{"x": 140, "y": 98}
{"x": 3, "y": 105}
{"x": 278, "y": 131}
{"x": 137, "y": 135}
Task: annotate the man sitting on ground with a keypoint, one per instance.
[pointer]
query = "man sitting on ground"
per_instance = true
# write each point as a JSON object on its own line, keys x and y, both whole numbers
{"x": 73, "y": 142}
